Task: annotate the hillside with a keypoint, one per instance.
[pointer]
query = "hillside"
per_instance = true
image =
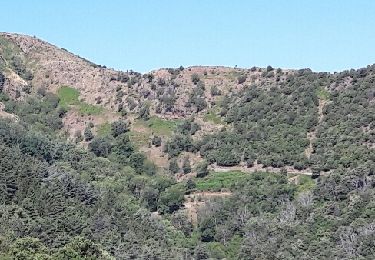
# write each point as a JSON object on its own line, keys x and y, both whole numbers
{"x": 32, "y": 62}
{"x": 182, "y": 163}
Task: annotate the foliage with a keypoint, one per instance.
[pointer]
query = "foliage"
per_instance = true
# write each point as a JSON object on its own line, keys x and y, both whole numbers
{"x": 156, "y": 140}
{"x": 274, "y": 134}
{"x": 52, "y": 192}
{"x": 59, "y": 201}
{"x": 173, "y": 166}
{"x": 144, "y": 112}
{"x": 202, "y": 169}
{"x": 171, "y": 199}
{"x": 215, "y": 91}
{"x": 241, "y": 79}
{"x": 88, "y": 134}
{"x": 197, "y": 97}
{"x": 137, "y": 160}
{"x": 186, "y": 167}
{"x": 100, "y": 146}
{"x": 2, "y": 81}
{"x": 195, "y": 78}
{"x": 220, "y": 180}
{"x": 188, "y": 127}
{"x": 119, "y": 127}
{"x": 178, "y": 144}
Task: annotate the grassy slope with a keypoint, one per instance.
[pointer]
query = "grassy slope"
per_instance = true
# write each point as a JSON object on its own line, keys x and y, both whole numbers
{"x": 69, "y": 97}
{"x": 216, "y": 181}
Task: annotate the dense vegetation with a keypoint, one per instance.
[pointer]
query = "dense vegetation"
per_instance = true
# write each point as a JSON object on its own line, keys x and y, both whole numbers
{"x": 270, "y": 122}
{"x": 59, "y": 200}
{"x": 268, "y": 219}
{"x": 54, "y": 194}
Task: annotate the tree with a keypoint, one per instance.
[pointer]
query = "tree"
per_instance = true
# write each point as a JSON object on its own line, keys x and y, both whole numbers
{"x": 215, "y": 91}
{"x": 173, "y": 166}
{"x": 136, "y": 161}
{"x": 119, "y": 127}
{"x": 195, "y": 78}
{"x": 82, "y": 248}
{"x": 202, "y": 169}
{"x": 88, "y": 134}
{"x": 171, "y": 199}
{"x": 144, "y": 112}
{"x": 269, "y": 68}
{"x": 2, "y": 81}
{"x": 28, "y": 248}
{"x": 156, "y": 140}
{"x": 188, "y": 127}
{"x": 123, "y": 146}
{"x": 100, "y": 146}
{"x": 186, "y": 167}
{"x": 190, "y": 185}
{"x": 241, "y": 79}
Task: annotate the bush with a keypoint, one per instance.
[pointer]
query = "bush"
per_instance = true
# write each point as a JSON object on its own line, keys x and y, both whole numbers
{"x": 195, "y": 78}
{"x": 173, "y": 166}
{"x": 100, "y": 146}
{"x": 202, "y": 169}
{"x": 2, "y": 81}
{"x": 186, "y": 167}
{"x": 156, "y": 140}
{"x": 171, "y": 199}
{"x": 88, "y": 134}
{"x": 136, "y": 161}
{"x": 241, "y": 79}
{"x": 119, "y": 127}
{"x": 144, "y": 112}
{"x": 269, "y": 68}
{"x": 215, "y": 91}
{"x": 123, "y": 147}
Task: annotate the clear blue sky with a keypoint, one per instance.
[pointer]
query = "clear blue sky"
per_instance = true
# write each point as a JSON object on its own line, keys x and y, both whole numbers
{"x": 325, "y": 35}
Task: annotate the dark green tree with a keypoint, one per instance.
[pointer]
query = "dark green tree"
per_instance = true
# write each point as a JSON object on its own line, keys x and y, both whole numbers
{"x": 173, "y": 166}
{"x": 88, "y": 134}
{"x": 186, "y": 167}
{"x": 136, "y": 161}
{"x": 119, "y": 127}
{"x": 144, "y": 112}
{"x": 101, "y": 146}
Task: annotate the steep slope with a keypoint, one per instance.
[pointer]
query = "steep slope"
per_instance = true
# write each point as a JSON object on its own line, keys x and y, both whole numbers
{"x": 244, "y": 108}
{"x": 186, "y": 163}
{"x": 32, "y": 64}
{"x": 42, "y": 65}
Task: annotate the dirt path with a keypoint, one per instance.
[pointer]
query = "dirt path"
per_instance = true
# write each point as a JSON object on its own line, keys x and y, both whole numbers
{"x": 259, "y": 167}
